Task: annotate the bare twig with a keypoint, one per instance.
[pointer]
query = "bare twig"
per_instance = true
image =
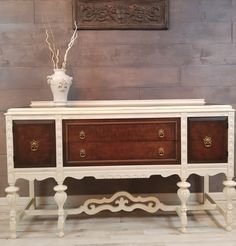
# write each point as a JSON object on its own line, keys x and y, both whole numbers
{"x": 71, "y": 43}
{"x": 53, "y": 44}
{"x": 50, "y": 48}
{"x": 55, "y": 53}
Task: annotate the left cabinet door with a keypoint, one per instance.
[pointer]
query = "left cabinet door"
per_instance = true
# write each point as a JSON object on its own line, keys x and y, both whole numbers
{"x": 34, "y": 143}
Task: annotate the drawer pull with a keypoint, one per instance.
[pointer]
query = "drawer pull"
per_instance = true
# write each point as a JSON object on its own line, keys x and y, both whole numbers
{"x": 207, "y": 141}
{"x": 34, "y": 145}
{"x": 82, "y": 153}
{"x": 161, "y": 133}
{"x": 161, "y": 151}
{"x": 82, "y": 135}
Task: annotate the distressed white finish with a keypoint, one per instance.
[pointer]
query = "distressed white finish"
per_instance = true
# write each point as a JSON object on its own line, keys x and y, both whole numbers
{"x": 183, "y": 194}
{"x": 118, "y": 110}
{"x": 11, "y": 197}
{"x": 229, "y": 192}
{"x": 120, "y": 201}
{"x": 60, "y": 198}
{"x": 117, "y": 103}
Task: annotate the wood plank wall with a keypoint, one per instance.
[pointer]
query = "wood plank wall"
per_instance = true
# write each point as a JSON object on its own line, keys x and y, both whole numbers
{"x": 195, "y": 58}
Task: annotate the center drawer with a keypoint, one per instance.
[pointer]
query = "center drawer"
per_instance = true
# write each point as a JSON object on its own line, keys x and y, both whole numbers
{"x": 121, "y": 142}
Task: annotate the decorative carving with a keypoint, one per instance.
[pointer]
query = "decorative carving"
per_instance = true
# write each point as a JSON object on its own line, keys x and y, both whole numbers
{"x": 229, "y": 192}
{"x": 183, "y": 194}
{"x": 121, "y": 201}
{"x": 231, "y": 145}
{"x": 184, "y": 143}
{"x": 59, "y": 151}
{"x": 60, "y": 198}
{"x": 121, "y": 14}
{"x": 12, "y": 194}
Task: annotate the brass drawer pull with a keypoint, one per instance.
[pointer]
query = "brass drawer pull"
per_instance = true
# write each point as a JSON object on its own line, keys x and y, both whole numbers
{"x": 161, "y": 133}
{"x": 207, "y": 141}
{"x": 161, "y": 151}
{"x": 34, "y": 145}
{"x": 82, "y": 135}
{"x": 82, "y": 153}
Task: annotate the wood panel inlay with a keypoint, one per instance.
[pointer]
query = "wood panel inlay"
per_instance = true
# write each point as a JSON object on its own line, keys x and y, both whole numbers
{"x": 34, "y": 143}
{"x": 207, "y": 139}
{"x": 121, "y": 142}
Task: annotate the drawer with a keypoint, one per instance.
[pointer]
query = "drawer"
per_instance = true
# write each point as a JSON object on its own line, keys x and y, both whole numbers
{"x": 121, "y": 130}
{"x": 207, "y": 139}
{"x": 34, "y": 143}
{"x": 121, "y": 153}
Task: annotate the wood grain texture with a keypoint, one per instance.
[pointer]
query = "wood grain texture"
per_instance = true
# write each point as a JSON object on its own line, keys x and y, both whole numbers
{"x": 121, "y": 142}
{"x": 34, "y": 144}
{"x": 213, "y": 128}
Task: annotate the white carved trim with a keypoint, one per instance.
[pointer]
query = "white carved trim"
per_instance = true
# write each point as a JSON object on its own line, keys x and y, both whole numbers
{"x": 60, "y": 199}
{"x": 184, "y": 146}
{"x": 120, "y": 201}
{"x": 116, "y": 103}
{"x": 10, "y": 152}
{"x": 230, "y": 173}
{"x": 229, "y": 192}
{"x": 12, "y": 195}
{"x": 183, "y": 193}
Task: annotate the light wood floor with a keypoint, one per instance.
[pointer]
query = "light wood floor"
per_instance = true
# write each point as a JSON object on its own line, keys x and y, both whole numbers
{"x": 126, "y": 230}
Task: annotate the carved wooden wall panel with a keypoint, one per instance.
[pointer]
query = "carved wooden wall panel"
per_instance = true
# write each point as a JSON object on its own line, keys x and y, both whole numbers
{"x": 121, "y": 14}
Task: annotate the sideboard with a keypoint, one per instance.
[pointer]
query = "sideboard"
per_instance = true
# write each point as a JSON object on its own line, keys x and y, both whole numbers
{"x": 120, "y": 139}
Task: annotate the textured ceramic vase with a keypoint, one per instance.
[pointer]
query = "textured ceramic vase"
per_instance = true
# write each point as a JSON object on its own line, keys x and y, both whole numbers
{"x": 60, "y": 84}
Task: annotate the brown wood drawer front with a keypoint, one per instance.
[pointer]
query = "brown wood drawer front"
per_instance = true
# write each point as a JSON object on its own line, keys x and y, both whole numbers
{"x": 34, "y": 143}
{"x": 121, "y": 130}
{"x": 124, "y": 152}
{"x": 121, "y": 142}
{"x": 207, "y": 139}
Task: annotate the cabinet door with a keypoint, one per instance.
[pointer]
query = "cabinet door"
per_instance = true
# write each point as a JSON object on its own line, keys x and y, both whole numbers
{"x": 207, "y": 139}
{"x": 34, "y": 143}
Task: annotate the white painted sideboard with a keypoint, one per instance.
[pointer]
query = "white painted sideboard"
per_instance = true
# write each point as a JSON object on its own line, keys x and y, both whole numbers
{"x": 120, "y": 139}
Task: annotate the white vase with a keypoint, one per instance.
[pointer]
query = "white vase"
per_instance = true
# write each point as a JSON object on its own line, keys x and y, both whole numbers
{"x": 60, "y": 84}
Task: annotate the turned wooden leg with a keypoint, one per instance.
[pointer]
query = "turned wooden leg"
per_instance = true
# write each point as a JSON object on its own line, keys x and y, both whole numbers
{"x": 60, "y": 198}
{"x": 12, "y": 194}
{"x": 229, "y": 192}
{"x": 183, "y": 194}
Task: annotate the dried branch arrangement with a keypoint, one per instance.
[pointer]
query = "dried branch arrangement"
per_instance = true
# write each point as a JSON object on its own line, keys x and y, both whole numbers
{"x": 55, "y": 52}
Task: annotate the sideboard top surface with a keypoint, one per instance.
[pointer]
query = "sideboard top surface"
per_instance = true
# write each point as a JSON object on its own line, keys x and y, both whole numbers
{"x": 117, "y": 107}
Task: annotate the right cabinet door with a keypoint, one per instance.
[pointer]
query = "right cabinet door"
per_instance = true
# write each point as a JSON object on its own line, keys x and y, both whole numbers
{"x": 207, "y": 139}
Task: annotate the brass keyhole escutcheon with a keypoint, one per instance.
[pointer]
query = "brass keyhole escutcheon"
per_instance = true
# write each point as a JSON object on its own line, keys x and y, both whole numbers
{"x": 82, "y": 153}
{"x": 207, "y": 141}
{"x": 34, "y": 145}
{"x": 161, "y": 151}
{"x": 82, "y": 135}
{"x": 161, "y": 133}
